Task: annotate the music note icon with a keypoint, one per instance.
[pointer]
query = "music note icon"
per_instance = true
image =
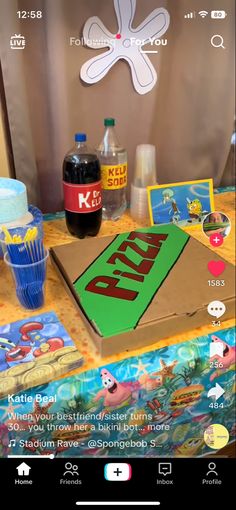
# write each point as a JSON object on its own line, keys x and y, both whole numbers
{"x": 12, "y": 443}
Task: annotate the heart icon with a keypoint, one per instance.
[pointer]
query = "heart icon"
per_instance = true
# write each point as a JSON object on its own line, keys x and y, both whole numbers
{"x": 216, "y": 267}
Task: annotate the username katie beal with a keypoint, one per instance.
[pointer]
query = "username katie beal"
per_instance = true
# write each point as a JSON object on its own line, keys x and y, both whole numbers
{"x": 24, "y": 398}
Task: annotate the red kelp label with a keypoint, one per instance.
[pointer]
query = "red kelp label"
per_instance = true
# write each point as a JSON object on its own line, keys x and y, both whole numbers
{"x": 82, "y": 198}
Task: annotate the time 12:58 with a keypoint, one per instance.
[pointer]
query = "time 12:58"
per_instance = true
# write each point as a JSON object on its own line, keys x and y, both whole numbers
{"x": 29, "y": 14}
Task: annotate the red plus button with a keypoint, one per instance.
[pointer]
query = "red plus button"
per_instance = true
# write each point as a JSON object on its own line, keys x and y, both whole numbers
{"x": 216, "y": 240}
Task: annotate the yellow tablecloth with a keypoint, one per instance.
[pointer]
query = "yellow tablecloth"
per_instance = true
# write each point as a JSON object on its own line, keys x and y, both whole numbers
{"x": 58, "y": 300}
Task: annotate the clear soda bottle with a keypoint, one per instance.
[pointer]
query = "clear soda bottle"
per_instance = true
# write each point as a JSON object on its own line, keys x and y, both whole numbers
{"x": 113, "y": 160}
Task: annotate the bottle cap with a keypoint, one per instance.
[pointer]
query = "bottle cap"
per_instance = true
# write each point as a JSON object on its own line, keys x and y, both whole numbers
{"x": 80, "y": 137}
{"x": 109, "y": 122}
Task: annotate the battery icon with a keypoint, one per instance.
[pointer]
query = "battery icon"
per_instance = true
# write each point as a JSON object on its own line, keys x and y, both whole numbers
{"x": 218, "y": 14}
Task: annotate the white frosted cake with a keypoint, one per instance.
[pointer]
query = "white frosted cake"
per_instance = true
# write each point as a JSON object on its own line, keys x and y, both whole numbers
{"x": 13, "y": 200}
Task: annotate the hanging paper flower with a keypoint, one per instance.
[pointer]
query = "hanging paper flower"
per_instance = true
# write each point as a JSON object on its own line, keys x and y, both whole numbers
{"x": 126, "y": 44}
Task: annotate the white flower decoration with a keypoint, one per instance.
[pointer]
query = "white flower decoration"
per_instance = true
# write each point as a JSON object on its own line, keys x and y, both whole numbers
{"x": 126, "y": 44}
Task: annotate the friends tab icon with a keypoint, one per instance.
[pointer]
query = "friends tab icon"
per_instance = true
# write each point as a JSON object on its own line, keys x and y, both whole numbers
{"x": 71, "y": 469}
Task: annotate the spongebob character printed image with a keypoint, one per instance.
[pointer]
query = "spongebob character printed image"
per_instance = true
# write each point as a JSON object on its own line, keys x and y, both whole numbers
{"x": 28, "y": 345}
{"x": 195, "y": 210}
{"x": 184, "y": 204}
{"x": 168, "y": 197}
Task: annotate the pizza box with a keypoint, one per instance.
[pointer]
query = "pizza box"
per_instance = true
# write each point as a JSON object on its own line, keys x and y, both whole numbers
{"x": 139, "y": 287}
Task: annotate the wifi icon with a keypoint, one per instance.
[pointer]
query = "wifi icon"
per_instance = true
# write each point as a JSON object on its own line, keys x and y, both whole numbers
{"x": 203, "y": 14}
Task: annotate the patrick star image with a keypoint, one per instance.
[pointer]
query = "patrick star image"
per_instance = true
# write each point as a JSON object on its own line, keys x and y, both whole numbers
{"x": 227, "y": 361}
{"x": 115, "y": 394}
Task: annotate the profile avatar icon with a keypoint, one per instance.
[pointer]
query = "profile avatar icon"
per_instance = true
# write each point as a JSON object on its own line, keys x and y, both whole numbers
{"x": 216, "y": 224}
{"x": 212, "y": 467}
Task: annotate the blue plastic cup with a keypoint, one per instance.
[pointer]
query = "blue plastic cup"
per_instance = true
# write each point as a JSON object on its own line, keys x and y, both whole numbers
{"x": 30, "y": 282}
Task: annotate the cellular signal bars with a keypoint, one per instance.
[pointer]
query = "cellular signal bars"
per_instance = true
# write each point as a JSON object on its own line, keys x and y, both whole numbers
{"x": 190, "y": 15}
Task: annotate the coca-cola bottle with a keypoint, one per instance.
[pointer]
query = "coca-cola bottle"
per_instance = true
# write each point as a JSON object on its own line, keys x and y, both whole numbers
{"x": 82, "y": 189}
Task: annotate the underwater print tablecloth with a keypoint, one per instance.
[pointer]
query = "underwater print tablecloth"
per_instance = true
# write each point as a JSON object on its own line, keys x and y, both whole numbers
{"x": 155, "y": 405}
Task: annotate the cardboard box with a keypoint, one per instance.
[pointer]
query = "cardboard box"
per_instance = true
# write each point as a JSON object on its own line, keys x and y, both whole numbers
{"x": 139, "y": 287}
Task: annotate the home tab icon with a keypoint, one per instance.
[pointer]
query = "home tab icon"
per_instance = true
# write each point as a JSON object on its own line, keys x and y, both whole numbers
{"x": 23, "y": 469}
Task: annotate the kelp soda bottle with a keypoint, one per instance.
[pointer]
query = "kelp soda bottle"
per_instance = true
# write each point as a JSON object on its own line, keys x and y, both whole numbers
{"x": 82, "y": 189}
{"x": 113, "y": 159}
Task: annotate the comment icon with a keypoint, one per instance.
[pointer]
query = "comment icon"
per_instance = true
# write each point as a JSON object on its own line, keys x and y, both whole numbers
{"x": 216, "y": 309}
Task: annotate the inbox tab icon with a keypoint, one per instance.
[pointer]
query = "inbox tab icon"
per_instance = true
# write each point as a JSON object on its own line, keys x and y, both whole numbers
{"x": 164, "y": 468}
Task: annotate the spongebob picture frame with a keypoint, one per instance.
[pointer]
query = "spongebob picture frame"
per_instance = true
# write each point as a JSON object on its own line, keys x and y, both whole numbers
{"x": 183, "y": 203}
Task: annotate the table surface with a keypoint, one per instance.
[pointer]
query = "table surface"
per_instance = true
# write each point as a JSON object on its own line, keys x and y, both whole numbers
{"x": 58, "y": 300}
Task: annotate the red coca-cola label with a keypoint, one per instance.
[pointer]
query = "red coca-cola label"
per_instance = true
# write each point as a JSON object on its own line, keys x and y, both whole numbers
{"x": 82, "y": 198}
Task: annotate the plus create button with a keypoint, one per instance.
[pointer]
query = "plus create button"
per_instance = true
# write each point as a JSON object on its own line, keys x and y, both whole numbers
{"x": 117, "y": 472}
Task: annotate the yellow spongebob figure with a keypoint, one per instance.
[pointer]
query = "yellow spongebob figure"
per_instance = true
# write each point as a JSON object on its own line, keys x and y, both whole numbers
{"x": 195, "y": 210}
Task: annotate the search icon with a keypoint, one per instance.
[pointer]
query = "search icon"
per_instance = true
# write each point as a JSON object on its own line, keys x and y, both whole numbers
{"x": 217, "y": 41}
